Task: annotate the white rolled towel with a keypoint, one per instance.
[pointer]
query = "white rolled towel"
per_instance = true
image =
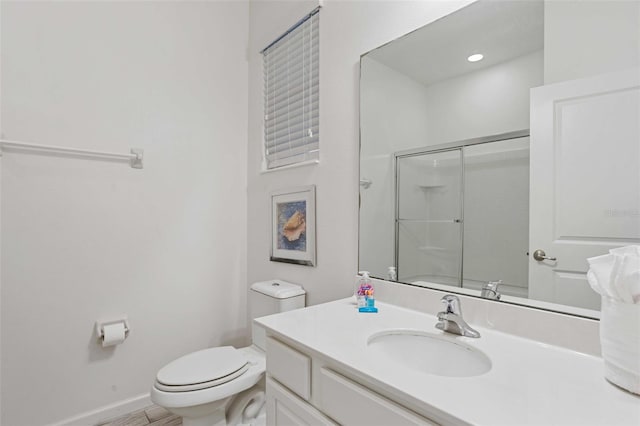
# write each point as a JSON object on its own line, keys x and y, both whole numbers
{"x": 626, "y": 273}
{"x": 616, "y": 277}
{"x": 627, "y": 279}
{"x": 599, "y": 275}
{"x": 617, "y": 274}
{"x": 620, "y": 343}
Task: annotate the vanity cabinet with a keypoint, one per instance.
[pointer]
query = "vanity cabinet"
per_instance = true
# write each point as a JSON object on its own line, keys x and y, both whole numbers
{"x": 306, "y": 389}
{"x": 284, "y": 408}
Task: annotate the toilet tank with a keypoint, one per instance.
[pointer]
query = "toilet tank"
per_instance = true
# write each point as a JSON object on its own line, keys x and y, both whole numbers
{"x": 272, "y": 297}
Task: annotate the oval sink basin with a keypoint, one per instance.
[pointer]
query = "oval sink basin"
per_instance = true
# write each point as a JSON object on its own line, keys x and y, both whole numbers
{"x": 429, "y": 353}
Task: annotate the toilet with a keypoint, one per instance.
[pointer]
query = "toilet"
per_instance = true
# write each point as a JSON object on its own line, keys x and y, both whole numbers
{"x": 224, "y": 385}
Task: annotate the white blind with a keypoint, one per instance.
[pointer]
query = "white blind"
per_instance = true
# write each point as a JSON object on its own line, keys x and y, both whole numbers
{"x": 291, "y": 98}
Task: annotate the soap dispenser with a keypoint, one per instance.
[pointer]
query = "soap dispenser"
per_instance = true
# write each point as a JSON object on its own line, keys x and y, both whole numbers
{"x": 363, "y": 285}
{"x": 364, "y": 294}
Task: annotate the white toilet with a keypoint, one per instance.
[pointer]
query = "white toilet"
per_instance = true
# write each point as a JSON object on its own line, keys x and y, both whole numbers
{"x": 224, "y": 385}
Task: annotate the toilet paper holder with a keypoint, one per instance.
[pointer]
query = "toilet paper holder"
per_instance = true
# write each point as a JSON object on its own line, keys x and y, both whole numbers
{"x": 100, "y": 324}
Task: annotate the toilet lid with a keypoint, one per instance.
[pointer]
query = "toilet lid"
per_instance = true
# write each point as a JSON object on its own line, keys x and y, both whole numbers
{"x": 206, "y": 367}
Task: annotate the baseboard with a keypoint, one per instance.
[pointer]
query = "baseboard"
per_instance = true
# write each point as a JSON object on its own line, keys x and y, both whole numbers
{"x": 108, "y": 412}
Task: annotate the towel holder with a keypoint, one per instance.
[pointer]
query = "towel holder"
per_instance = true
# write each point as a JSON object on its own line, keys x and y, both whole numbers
{"x": 135, "y": 157}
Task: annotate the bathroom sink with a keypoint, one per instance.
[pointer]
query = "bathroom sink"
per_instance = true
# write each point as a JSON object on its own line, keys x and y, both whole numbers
{"x": 429, "y": 353}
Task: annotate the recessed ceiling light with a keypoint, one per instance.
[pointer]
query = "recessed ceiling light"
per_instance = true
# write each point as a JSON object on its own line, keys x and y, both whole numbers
{"x": 475, "y": 57}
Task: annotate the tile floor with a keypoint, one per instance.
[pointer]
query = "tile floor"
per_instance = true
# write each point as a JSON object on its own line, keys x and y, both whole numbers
{"x": 150, "y": 416}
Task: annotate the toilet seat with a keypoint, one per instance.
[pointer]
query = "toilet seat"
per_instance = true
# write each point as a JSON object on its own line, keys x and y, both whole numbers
{"x": 256, "y": 366}
{"x": 203, "y": 385}
{"x": 202, "y": 369}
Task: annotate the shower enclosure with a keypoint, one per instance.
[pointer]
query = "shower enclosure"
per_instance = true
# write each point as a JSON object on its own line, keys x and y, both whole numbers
{"x": 462, "y": 213}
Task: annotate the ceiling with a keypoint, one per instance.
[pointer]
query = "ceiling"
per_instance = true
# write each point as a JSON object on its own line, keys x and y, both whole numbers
{"x": 500, "y": 30}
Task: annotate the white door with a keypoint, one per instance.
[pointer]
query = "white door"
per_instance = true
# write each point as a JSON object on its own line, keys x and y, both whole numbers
{"x": 585, "y": 181}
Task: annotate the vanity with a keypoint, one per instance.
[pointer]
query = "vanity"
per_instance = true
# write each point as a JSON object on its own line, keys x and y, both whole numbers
{"x": 324, "y": 367}
{"x": 473, "y": 175}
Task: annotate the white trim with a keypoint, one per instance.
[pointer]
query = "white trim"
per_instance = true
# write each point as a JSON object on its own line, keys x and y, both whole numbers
{"x": 108, "y": 412}
{"x": 289, "y": 166}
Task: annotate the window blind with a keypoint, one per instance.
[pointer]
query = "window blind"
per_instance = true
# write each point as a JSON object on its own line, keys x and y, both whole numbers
{"x": 291, "y": 95}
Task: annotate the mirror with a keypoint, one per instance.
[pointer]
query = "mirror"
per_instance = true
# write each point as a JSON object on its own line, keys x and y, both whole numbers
{"x": 468, "y": 167}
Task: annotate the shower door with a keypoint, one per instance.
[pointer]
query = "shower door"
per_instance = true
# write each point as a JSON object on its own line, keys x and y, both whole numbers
{"x": 462, "y": 213}
{"x": 429, "y": 217}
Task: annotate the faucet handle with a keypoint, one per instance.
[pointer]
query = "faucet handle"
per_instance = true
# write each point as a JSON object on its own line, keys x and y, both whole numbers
{"x": 490, "y": 290}
{"x": 493, "y": 285}
{"x": 452, "y": 304}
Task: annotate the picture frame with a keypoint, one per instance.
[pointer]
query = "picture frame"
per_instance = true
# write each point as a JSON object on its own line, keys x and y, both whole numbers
{"x": 293, "y": 225}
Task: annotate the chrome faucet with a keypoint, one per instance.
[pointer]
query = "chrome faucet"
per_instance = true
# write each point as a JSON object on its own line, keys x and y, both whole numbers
{"x": 490, "y": 290}
{"x": 450, "y": 320}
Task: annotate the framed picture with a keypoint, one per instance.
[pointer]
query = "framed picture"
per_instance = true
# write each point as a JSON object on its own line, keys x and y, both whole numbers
{"x": 293, "y": 225}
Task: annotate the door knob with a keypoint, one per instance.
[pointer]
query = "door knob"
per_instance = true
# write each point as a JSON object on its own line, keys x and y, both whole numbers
{"x": 541, "y": 255}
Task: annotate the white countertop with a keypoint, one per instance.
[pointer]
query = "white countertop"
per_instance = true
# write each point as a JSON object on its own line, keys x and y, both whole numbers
{"x": 530, "y": 383}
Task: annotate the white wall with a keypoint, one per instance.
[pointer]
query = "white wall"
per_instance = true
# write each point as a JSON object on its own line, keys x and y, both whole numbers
{"x": 393, "y": 108}
{"x": 347, "y": 30}
{"x": 82, "y": 238}
{"x": 586, "y": 38}
{"x": 487, "y": 102}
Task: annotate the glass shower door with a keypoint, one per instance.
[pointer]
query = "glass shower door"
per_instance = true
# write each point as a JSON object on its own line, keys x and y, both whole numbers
{"x": 496, "y": 215}
{"x": 429, "y": 217}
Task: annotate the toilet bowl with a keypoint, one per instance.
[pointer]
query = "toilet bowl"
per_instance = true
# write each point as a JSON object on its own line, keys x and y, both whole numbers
{"x": 225, "y": 385}
{"x": 201, "y": 386}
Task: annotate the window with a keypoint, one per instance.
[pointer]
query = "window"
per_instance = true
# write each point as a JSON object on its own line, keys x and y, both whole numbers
{"x": 291, "y": 98}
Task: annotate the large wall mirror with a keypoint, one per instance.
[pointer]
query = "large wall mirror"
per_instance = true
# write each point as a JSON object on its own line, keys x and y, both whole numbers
{"x": 503, "y": 130}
